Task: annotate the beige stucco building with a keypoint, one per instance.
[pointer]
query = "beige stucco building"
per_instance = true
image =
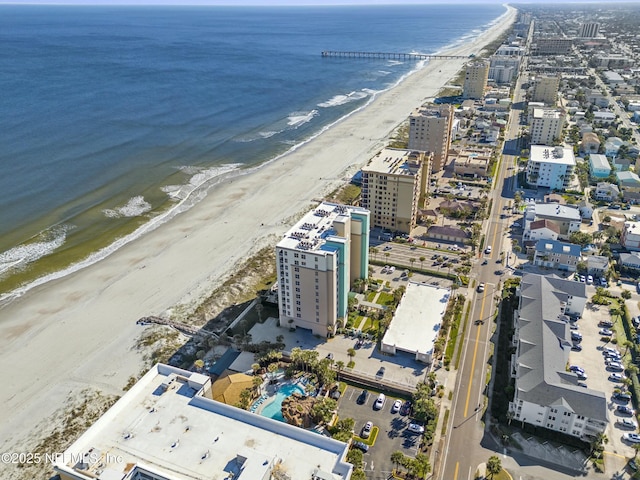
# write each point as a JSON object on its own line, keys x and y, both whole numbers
{"x": 472, "y": 162}
{"x": 392, "y": 184}
{"x": 475, "y": 79}
{"x": 430, "y": 131}
{"x": 317, "y": 260}
{"x": 546, "y": 126}
{"x": 545, "y": 89}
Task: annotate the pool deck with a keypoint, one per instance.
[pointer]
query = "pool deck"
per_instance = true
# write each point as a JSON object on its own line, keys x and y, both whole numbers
{"x": 270, "y": 395}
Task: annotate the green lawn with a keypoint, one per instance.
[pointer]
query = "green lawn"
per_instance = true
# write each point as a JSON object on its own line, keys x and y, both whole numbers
{"x": 371, "y": 296}
{"x": 385, "y": 299}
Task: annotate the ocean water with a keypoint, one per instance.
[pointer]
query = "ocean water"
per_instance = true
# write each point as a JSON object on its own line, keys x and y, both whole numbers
{"x": 113, "y": 119}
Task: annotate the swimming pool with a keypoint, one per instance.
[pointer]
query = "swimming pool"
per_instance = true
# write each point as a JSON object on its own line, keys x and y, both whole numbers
{"x": 274, "y": 409}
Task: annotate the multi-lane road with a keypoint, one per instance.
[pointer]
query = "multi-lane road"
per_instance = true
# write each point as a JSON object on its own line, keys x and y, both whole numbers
{"x": 462, "y": 452}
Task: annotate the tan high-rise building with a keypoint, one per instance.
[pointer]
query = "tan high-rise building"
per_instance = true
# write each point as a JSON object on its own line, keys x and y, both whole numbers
{"x": 317, "y": 260}
{"x": 392, "y": 184}
{"x": 545, "y": 89}
{"x": 430, "y": 131}
{"x": 546, "y": 126}
{"x": 475, "y": 79}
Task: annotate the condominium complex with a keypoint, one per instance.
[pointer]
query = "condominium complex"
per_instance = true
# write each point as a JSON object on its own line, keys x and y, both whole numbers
{"x": 392, "y": 184}
{"x": 546, "y": 126}
{"x": 167, "y": 427}
{"x": 545, "y": 89}
{"x": 475, "y": 79}
{"x": 317, "y": 260}
{"x": 503, "y": 68}
{"x": 546, "y": 394}
{"x": 552, "y": 46}
{"x": 472, "y": 162}
{"x": 550, "y": 167}
{"x": 430, "y": 131}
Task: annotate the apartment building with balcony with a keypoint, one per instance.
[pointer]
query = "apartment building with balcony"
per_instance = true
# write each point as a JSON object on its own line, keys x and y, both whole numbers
{"x": 316, "y": 261}
{"x": 430, "y": 131}
{"x": 550, "y": 167}
{"x": 475, "y": 79}
{"x": 546, "y": 126}
{"x": 546, "y": 394}
{"x": 545, "y": 89}
{"x": 392, "y": 184}
{"x": 560, "y": 255}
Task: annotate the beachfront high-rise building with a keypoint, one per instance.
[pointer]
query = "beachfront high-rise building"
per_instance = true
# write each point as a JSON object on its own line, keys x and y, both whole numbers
{"x": 545, "y": 89}
{"x": 589, "y": 30}
{"x": 546, "y": 126}
{"x": 392, "y": 184}
{"x": 552, "y": 46}
{"x": 550, "y": 167}
{"x": 430, "y": 131}
{"x": 167, "y": 427}
{"x": 475, "y": 79}
{"x": 316, "y": 261}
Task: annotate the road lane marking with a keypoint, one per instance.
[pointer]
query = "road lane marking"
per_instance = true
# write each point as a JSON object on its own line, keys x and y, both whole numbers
{"x": 473, "y": 361}
{"x": 455, "y": 473}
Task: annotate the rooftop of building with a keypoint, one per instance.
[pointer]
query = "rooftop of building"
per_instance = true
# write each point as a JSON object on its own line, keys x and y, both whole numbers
{"x": 544, "y": 348}
{"x": 312, "y": 231}
{"x": 544, "y": 224}
{"x": 432, "y": 111}
{"x": 547, "y": 113}
{"x": 395, "y": 161}
{"x": 554, "y": 246}
{"x": 418, "y": 318}
{"x": 627, "y": 177}
{"x": 165, "y": 425}
{"x": 599, "y": 161}
{"x": 553, "y": 210}
{"x": 555, "y": 155}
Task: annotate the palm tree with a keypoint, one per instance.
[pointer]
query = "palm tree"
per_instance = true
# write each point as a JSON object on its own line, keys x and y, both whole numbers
{"x": 259, "y": 310}
{"x": 374, "y": 251}
{"x": 422, "y": 259}
{"x": 397, "y": 458}
{"x": 272, "y": 369}
{"x": 257, "y": 383}
{"x": 494, "y": 465}
{"x": 386, "y": 255}
{"x": 339, "y": 367}
{"x": 412, "y": 261}
{"x": 352, "y": 353}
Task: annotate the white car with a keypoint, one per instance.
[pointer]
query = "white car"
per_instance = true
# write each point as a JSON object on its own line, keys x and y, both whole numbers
{"x": 589, "y": 279}
{"x": 366, "y": 431}
{"x": 379, "y": 403}
{"x": 516, "y": 224}
{"x": 617, "y": 377}
{"x": 415, "y": 428}
{"x": 631, "y": 437}
{"x": 487, "y": 250}
{"x": 395, "y": 408}
{"x": 481, "y": 287}
{"x": 629, "y": 423}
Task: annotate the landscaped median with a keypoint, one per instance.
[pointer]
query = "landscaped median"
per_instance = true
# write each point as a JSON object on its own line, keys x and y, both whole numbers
{"x": 372, "y": 438}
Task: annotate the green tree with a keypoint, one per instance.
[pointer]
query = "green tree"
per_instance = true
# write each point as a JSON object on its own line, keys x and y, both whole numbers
{"x": 358, "y": 474}
{"x": 351, "y": 352}
{"x": 339, "y": 367}
{"x": 355, "y": 458}
{"x": 322, "y": 410}
{"x": 494, "y": 465}
{"x": 424, "y": 408}
{"x": 397, "y": 458}
{"x": 581, "y": 238}
{"x": 422, "y": 259}
{"x": 272, "y": 369}
{"x": 626, "y": 294}
{"x": 420, "y": 466}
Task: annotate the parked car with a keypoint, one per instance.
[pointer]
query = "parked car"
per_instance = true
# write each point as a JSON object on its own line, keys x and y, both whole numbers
{"x": 615, "y": 367}
{"x": 625, "y": 410}
{"x": 576, "y": 368}
{"x": 628, "y": 423}
{"x": 589, "y": 279}
{"x": 583, "y": 278}
{"x": 605, "y": 324}
{"x": 363, "y": 397}
{"x": 610, "y": 351}
{"x": 631, "y": 437}
{"x": 576, "y": 347}
{"x": 361, "y": 446}
{"x": 481, "y": 287}
{"x": 415, "y": 428}
{"x": 379, "y": 403}
{"x": 406, "y": 408}
{"x": 395, "y": 408}
{"x": 487, "y": 250}
{"x": 380, "y": 372}
{"x": 617, "y": 377}
{"x": 605, "y": 332}
{"x": 576, "y": 336}
{"x": 622, "y": 396}
{"x": 366, "y": 430}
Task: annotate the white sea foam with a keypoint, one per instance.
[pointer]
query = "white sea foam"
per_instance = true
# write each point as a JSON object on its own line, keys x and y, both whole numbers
{"x": 342, "y": 99}
{"x": 26, "y": 253}
{"x": 296, "y": 119}
{"x": 199, "y": 177}
{"x": 384, "y": 72}
{"x": 135, "y": 207}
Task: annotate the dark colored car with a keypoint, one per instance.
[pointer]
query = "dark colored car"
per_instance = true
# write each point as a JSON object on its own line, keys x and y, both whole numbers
{"x": 406, "y": 408}
{"x": 380, "y": 372}
{"x": 363, "y": 397}
{"x": 622, "y": 396}
{"x": 624, "y": 410}
{"x": 361, "y": 446}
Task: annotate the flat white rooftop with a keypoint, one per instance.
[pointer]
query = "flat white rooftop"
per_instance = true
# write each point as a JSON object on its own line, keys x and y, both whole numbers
{"x": 394, "y": 161}
{"x": 551, "y": 210}
{"x": 548, "y": 154}
{"x": 310, "y": 232}
{"x": 165, "y": 426}
{"x": 418, "y": 318}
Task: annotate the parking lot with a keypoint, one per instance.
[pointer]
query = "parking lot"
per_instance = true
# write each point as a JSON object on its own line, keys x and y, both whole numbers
{"x": 592, "y": 360}
{"x": 393, "y": 435}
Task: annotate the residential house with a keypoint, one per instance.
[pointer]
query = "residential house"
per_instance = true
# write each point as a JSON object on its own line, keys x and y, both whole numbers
{"x": 590, "y": 142}
{"x": 630, "y": 261}
{"x": 566, "y": 218}
{"x": 612, "y": 145}
{"x": 546, "y": 394}
{"x": 629, "y": 185}
{"x": 605, "y": 118}
{"x": 606, "y": 191}
{"x": 621, "y": 164}
{"x": 555, "y": 254}
{"x": 541, "y": 229}
{"x": 599, "y": 166}
{"x": 630, "y": 237}
{"x": 597, "y": 265}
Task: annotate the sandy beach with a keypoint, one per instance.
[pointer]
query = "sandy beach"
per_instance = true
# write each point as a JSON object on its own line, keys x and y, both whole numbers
{"x": 79, "y": 331}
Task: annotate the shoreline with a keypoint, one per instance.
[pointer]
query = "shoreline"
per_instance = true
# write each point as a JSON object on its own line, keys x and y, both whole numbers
{"x": 78, "y": 331}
